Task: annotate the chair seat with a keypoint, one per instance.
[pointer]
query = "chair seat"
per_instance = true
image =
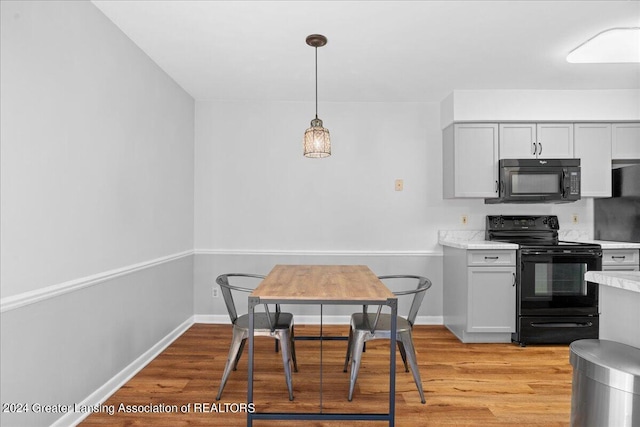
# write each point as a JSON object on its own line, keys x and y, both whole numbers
{"x": 260, "y": 321}
{"x": 360, "y": 322}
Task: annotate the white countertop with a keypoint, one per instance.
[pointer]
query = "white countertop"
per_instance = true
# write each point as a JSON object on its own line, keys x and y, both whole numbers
{"x": 470, "y": 239}
{"x": 613, "y": 245}
{"x": 628, "y": 280}
{"x": 474, "y": 239}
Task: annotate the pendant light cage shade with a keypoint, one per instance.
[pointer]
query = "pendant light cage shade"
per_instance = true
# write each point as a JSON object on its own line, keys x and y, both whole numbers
{"x": 317, "y": 141}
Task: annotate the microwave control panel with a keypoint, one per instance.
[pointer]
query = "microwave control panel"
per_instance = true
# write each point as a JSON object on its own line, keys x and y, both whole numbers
{"x": 574, "y": 183}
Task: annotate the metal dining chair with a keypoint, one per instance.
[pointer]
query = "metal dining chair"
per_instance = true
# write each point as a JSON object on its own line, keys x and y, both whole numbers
{"x": 370, "y": 326}
{"x": 278, "y": 325}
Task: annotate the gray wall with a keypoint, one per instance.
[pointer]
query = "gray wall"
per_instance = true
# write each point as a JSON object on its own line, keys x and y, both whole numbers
{"x": 258, "y": 201}
{"x": 97, "y": 204}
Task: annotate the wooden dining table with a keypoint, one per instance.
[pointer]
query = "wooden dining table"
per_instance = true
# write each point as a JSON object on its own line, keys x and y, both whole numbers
{"x": 323, "y": 284}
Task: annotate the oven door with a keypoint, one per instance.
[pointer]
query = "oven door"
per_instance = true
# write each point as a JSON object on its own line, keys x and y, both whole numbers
{"x": 551, "y": 283}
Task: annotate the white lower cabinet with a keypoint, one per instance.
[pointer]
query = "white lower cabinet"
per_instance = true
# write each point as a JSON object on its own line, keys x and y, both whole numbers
{"x": 480, "y": 294}
{"x": 492, "y": 299}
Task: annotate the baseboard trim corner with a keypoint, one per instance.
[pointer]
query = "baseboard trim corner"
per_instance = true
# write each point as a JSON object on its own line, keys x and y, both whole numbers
{"x": 114, "y": 384}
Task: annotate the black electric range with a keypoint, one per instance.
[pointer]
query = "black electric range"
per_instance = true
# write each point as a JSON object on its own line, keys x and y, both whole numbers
{"x": 554, "y": 304}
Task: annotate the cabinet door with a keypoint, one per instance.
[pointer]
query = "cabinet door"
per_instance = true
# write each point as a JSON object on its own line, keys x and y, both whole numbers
{"x": 592, "y": 145}
{"x": 492, "y": 299}
{"x": 625, "y": 144}
{"x": 517, "y": 141}
{"x": 474, "y": 166}
{"x": 555, "y": 140}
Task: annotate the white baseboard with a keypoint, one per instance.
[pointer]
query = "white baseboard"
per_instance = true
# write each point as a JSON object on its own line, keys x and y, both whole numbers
{"x": 114, "y": 384}
{"x": 313, "y": 319}
{"x": 212, "y": 318}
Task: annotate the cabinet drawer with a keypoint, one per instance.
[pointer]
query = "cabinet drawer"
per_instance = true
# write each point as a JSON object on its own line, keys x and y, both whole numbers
{"x": 488, "y": 258}
{"x": 620, "y": 268}
{"x": 620, "y": 257}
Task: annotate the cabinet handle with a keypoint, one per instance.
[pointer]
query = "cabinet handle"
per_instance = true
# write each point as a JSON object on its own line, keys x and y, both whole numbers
{"x": 491, "y": 257}
{"x": 618, "y": 257}
{"x": 514, "y": 279}
{"x": 497, "y": 187}
{"x": 540, "y": 150}
{"x": 535, "y": 148}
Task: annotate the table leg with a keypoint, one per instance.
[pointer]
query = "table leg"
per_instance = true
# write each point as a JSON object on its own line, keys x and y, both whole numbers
{"x": 392, "y": 362}
{"x": 252, "y": 303}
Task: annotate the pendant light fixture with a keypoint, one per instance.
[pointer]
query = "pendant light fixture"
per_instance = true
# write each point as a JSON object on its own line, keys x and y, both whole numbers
{"x": 317, "y": 142}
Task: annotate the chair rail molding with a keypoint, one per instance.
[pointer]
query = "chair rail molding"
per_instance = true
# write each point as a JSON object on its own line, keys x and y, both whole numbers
{"x": 31, "y": 297}
{"x": 314, "y": 253}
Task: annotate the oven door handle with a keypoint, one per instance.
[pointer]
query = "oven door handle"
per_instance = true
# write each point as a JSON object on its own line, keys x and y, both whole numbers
{"x": 561, "y": 324}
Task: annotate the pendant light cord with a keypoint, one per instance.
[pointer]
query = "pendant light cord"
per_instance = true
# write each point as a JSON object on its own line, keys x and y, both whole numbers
{"x": 316, "y": 82}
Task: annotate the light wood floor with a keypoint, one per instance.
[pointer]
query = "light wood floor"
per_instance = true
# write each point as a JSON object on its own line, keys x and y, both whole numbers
{"x": 464, "y": 384}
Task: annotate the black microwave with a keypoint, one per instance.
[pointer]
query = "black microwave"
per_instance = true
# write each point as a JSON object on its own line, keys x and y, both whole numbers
{"x": 537, "y": 181}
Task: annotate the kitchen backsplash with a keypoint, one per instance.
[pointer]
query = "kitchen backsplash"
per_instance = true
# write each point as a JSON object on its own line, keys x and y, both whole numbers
{"x": 475, "y": 235}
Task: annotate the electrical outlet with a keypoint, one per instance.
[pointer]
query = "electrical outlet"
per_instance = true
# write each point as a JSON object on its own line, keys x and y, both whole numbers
{"x": 215, "y": 293}
{"x": 399, "y": 184}
{"x": 464, "y": 219}
{"x": 574, "y": 218}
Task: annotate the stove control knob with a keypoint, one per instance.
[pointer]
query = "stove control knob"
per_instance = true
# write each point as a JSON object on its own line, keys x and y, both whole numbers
{"x": 553, "y": 223}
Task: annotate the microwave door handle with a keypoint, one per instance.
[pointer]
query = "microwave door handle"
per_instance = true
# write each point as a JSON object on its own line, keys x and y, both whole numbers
{"x": 562, "y": 182}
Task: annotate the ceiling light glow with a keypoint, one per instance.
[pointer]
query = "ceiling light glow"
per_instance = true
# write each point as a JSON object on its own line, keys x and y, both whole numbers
{"x": 616, "y": 45}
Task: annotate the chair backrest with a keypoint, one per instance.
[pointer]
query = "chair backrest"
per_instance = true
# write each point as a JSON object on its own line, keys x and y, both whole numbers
{"x": 418, "y": 293}
{"x": 226, "y": 288}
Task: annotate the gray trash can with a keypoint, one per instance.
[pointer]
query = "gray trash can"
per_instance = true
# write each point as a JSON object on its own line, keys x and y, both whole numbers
{"x": 606, "y": 384}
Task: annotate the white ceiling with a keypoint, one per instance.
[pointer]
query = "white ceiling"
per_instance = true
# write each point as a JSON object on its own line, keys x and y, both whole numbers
{"x": 377, "y": 50}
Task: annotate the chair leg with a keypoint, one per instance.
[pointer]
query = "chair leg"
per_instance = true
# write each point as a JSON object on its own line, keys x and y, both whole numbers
{"x": 285, "y": 339}
{"x": 236, "y": 342}
{"x": 235, "y": 365}
{"x": 293, "y": 349}
{"x": 403, "y": 353}
{"x": 407, "y": 340}
{"x": 356, "y": 359}
{"x": 349, "y": 344}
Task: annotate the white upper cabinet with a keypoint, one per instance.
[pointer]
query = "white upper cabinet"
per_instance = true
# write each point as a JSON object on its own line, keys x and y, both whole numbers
{"x": 536, "y": 140}
{"x": 592, "y": 145}
{"x": 555, "y": 140}
{"x": 470, "y": 166}
{"x": 625, "y": 144}
{"x": 517, "y": 140}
